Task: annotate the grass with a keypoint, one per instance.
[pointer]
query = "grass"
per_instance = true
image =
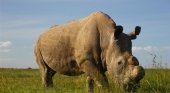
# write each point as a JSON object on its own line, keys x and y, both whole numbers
{"x": 29, "y": 81}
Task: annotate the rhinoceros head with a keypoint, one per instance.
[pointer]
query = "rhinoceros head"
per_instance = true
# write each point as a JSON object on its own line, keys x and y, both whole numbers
{"x": 122, "y": 66}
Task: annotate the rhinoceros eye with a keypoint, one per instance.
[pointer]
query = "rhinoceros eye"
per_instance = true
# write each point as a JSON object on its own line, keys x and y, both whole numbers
{"x": 120, "y": 62}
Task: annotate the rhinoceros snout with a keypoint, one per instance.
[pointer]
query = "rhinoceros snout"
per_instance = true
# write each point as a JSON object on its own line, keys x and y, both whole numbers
{"x": 133, "y": 80}
{"x": 138, "y": 73}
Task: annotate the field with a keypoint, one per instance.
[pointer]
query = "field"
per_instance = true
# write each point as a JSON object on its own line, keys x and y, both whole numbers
{"x": 29, "y": 81}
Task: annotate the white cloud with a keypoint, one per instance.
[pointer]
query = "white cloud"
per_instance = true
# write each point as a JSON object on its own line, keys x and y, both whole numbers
{"x": 135, "y": 48}
{"x": 5, "y": 46}
{"x": 150, "y": 48}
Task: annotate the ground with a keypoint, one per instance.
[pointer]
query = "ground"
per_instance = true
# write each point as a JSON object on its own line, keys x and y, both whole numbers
{"x": 29, "y": 81}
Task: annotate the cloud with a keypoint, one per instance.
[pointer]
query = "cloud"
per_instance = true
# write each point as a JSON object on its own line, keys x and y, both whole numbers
{"x": 150, "y": 48}
{"x": 5, "y": 46}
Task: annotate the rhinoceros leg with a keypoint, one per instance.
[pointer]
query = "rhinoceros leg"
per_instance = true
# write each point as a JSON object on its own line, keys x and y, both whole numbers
{"x": 95, "y": 74}
{"x": 47, "y": 76}
{"x": 46, "y": 72}
{"x": 90, "y": 84}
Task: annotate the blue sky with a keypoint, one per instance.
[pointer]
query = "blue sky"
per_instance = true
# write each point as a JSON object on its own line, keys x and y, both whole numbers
{"x": 22, "y": 21}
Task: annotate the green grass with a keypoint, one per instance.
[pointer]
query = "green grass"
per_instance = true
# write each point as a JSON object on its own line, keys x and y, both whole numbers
{"x": 29, "y": 81}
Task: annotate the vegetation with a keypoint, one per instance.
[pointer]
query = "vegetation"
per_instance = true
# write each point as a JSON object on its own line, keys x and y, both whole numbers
{"x": 29, "y": 81}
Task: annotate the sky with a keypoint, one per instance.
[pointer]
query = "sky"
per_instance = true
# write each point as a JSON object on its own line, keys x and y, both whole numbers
{"x": 22, "y": 21}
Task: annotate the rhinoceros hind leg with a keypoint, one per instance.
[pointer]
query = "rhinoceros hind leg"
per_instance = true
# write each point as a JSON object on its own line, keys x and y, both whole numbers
{"x": 90, "y": 84}
{"x": 46, "y": 72}
{"x": 47, "y": 76}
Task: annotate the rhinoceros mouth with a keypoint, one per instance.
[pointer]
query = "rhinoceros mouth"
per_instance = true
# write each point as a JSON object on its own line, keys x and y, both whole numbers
{"x": 131, "y": 86}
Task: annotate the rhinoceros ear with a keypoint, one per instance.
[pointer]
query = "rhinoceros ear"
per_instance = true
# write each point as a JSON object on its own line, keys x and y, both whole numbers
{"x": 119, "y": 30}
{"x": 134, "y": 34}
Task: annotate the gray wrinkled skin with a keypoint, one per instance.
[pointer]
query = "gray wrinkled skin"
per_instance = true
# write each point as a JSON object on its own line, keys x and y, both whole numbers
{"x": 124, "y": 67}
{"x": 91, "y": 45}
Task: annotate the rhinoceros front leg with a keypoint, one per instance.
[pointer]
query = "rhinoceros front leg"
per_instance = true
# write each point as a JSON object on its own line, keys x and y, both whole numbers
{"x": 94, "y": 75}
